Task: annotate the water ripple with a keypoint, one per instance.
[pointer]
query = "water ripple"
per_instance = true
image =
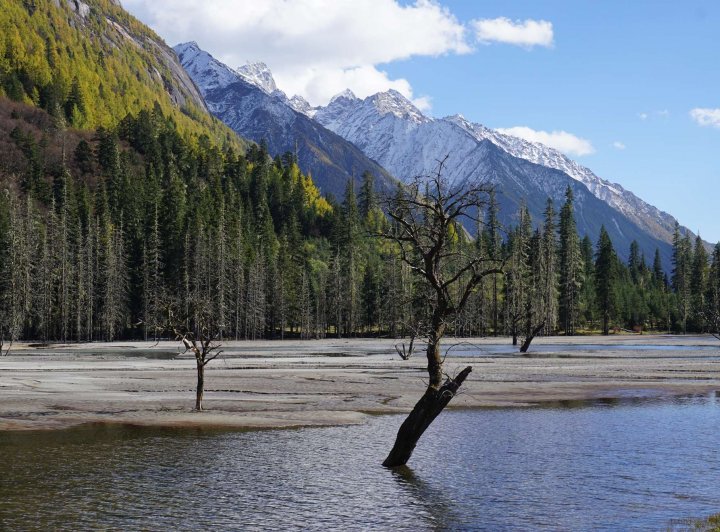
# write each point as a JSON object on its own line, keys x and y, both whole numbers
{"x": 627, "y": 466}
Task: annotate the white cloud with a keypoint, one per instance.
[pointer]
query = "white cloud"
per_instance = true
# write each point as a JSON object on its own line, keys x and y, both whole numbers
{"x": 662, "y": 113}
{"x": 618, "y": 145}
{"x": 562, "y": 141}
{"x": 706, "y": 117}
{"x": 527, "y": 33}
{"x": 315, "y": 48}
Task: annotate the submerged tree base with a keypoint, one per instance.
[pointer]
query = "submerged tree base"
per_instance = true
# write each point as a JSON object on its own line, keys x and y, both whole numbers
{"x": 423, "y": 414}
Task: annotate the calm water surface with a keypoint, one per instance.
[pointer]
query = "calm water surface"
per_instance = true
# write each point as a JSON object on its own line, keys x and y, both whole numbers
{"x": 626, "y": 465}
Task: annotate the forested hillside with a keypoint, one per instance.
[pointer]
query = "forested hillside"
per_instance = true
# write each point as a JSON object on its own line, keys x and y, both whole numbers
{"x": 101, "y": 232}
{"x": 91, "y": 63}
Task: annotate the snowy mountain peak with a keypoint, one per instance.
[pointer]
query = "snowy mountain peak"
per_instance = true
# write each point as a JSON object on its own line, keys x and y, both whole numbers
{"x": 347, "y": 94}
{"x": 207, "y": 72}
{"x": 186, "y": 46}
{"x": 257, "y": 73}
{"x": 301, "y": 105}
{"x": 395, "y": 103}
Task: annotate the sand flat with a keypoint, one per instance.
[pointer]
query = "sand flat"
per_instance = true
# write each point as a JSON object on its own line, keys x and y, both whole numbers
{"x": 279, "y": 384}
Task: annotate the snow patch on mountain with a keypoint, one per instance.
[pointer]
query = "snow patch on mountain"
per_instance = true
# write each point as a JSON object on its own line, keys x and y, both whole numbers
{"x": 395, "y": 103}
{"x": 648, "y": 217}
{"x": 257, "y": 73}
{"x": 301, "y": 105}
{"x": 207, "y": 72}
{"x": 378, "y": 123}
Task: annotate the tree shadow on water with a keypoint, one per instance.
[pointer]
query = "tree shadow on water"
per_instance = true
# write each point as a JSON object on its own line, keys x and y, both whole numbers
{"x": 434, "y": 505}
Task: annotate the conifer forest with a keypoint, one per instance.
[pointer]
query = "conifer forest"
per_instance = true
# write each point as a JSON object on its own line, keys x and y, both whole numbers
{"x": 102, "y": 232}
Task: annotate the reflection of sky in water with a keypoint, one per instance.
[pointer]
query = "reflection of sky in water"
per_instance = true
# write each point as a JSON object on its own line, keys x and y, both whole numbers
{"x": 610, "y": 465}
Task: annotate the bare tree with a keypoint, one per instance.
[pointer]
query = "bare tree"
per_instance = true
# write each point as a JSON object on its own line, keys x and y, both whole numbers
{"x": 203, "y": 342}
{"x": 427, "y": 216}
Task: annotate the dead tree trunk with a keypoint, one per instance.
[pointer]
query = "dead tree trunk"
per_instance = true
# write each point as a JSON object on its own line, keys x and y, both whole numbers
{"x": 200, "y": 385}
{"x": 426, "y": 410}
{"x": 424, "y": 216}
{"x": 434, "y": 400}
{"x": 529, "y": 338}
{"x": 514, "y": 321}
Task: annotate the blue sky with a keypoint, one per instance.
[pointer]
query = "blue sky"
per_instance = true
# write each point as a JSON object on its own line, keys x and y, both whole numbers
{"x": 627, "y": 72}
{"x": 623, "y": 76}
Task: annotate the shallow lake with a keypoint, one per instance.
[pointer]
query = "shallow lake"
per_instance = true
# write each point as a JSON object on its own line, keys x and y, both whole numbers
{"x": 613, "y": 465}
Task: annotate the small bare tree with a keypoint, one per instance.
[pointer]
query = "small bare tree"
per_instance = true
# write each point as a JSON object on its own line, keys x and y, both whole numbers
{"x": 202, "y": 340}
{"x": 415, "y": 330}
{"x": 427, "y": 217}
{"x": 4, "y": 351}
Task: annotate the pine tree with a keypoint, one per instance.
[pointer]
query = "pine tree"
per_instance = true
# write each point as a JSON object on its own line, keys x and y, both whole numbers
{"x": 493, "y": 247}
{"x": 548, "y": 248}
{"x": 658, "y": 270}
{"x": 634, "y": 262}
{"x": 535, "y": 311}
{"x": 571, "y": 266}
{"x": 153, "y": 286}
{"x": 16, "y": 304}
{"x": 681, "y": 275}
{"x": 698, "y": 284}
{"x": 368, "y": 201}
{"x": 517, "y": 275}
{"x": 114, "y": 288}
{"x": 349, "y": 246}
{"x": 712, "y": 294}
{"x": 605, "y": 276}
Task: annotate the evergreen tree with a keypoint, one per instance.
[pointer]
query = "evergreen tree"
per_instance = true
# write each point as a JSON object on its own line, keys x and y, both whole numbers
{"x": 698, "y": 284}
{"x": 605, "y": 275}
{"x": 681, "y": 275}
{"x": 658, "y": 270}
{"x": 517, "y": 275}
{"x": 492, "y": 237}
{"x": 349, "y": 246}
{"x": 712, "y": 294}
{"x": 634, "y": 261}
{"x": 368, "y": 201}
{"x": 548, "y": 248}
{"x": 571, "y": 266}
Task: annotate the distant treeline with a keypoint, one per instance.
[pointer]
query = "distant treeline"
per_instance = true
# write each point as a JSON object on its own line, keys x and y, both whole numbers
{"x": 102, "y": 233}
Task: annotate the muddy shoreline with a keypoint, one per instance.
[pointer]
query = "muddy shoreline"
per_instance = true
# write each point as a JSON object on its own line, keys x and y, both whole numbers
{"x": 282, "y": 384}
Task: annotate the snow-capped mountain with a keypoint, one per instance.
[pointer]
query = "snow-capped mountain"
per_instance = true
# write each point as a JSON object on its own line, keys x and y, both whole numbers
{"x": 391, "y": 130}
{"x": 249, "y": 102}
{"x": 258, "y": 74}
{"x": 301, "y": 105}
{"x": 204, "y": 69}
{"x": 648, "y": 217}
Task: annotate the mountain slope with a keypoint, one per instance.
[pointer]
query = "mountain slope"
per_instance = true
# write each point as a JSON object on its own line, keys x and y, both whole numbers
{"x": 92, "y": 63}
{"x": 388, "y": 128}
{"x": 249, "y": 110}
{"x": 649, "y": 218}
